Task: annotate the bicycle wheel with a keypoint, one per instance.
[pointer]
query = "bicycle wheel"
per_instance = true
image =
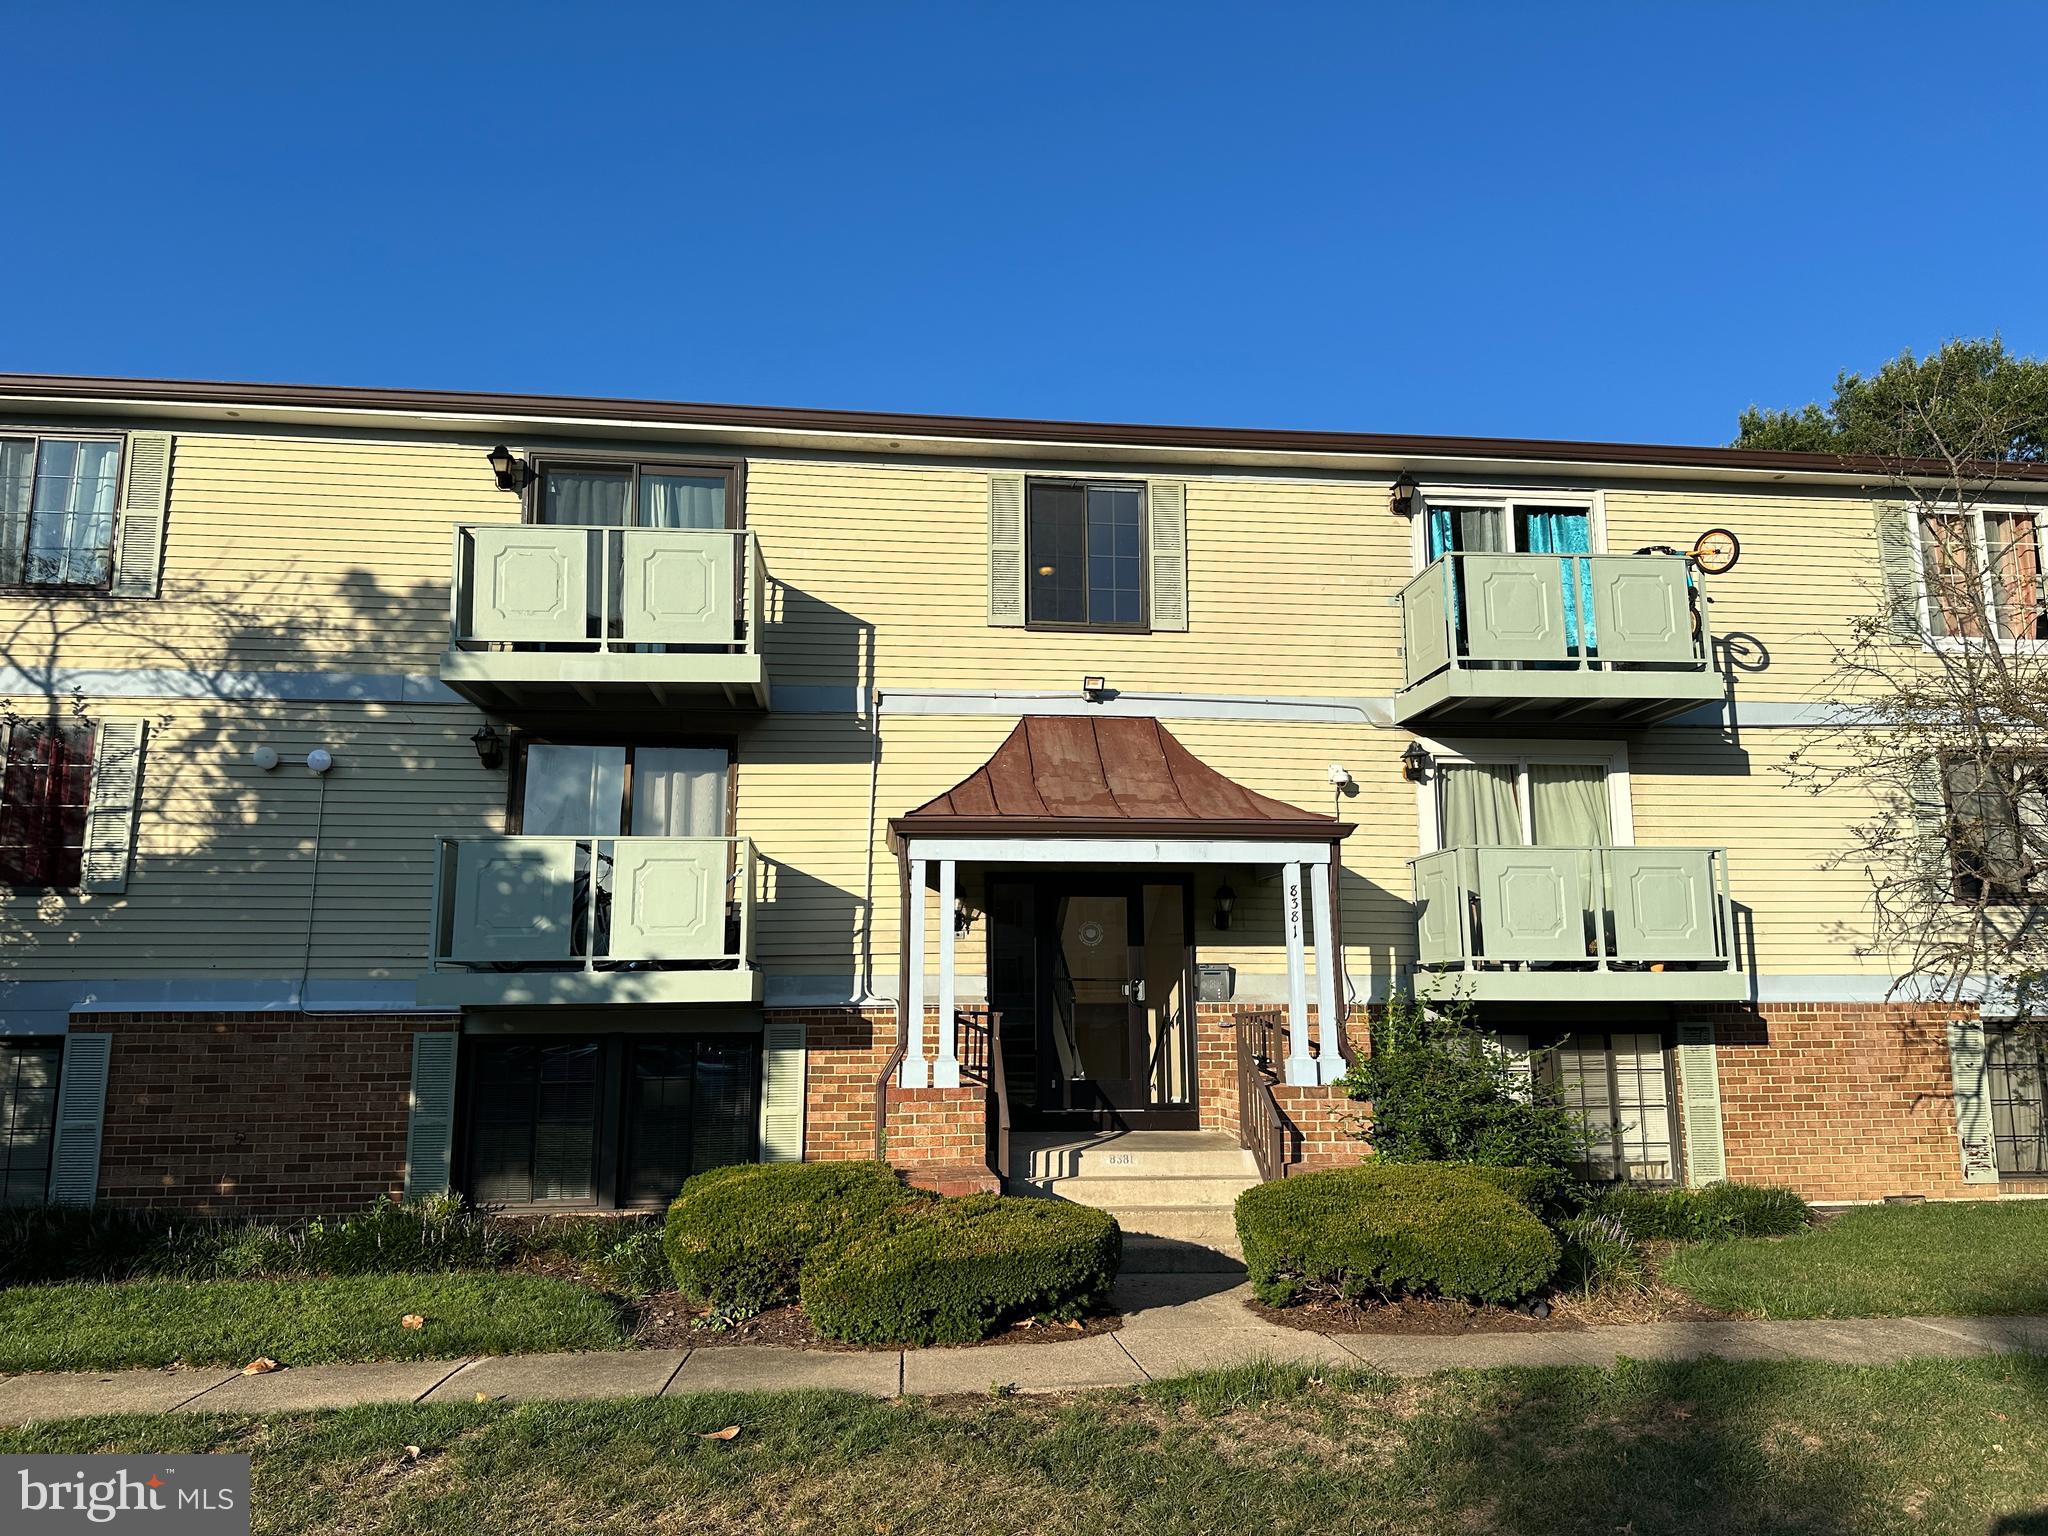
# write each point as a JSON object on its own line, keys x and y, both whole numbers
{"x": 1716, "y": 551}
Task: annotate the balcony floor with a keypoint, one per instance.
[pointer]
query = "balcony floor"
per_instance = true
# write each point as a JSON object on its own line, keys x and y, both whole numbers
{"x": 1526, "y": 696}
{"x": 514, "y": 989}
{"x": 514, "y": 680}
{"x": 1559, "y": 986}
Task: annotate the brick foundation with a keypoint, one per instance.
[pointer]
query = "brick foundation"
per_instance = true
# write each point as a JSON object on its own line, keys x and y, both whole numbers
{"x": 259, "y": 1114}
{"x": 1325, "y": 1127}
{"x": 1839, "y": 1101}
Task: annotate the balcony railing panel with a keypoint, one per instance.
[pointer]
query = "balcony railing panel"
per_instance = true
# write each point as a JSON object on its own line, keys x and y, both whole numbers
{"x": 1488, "y": 910}
{"x": 1576, "y": 611}
{"x": 593, "y": 903}
{"x": 606, "y": 589}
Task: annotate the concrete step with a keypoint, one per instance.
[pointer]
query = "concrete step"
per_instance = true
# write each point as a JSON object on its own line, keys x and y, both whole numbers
{"x": 1179, "y": 1240}
{"x": 1128, "y": 1155}
{"x": 1117, "y": 1192}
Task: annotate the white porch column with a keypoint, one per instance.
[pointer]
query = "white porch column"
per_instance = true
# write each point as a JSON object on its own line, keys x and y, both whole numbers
{"x": 915, "y": 1072}
{"x": 1301, "y": 1067}
{"x": 946, "y": 1070}
{"x": 1329, "y": 980}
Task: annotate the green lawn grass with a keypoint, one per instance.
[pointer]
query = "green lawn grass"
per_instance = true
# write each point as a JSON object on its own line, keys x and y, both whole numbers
{"x": 1931, "y": 1447}
{"x": 1954, "y": 1258}
{"x": 298, "y": 1322}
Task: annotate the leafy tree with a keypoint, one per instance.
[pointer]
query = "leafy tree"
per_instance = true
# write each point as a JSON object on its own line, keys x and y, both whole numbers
{"x": 1443, "y": 1092}
{"x": 1971, "y": 399}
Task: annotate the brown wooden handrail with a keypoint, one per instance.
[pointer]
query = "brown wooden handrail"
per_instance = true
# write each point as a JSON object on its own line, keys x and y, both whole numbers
{"x": 1261, "y": 1126}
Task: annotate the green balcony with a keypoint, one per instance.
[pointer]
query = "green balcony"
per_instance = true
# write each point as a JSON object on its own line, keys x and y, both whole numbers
{"x": 524, "y": 921}
{"x": 1507, "y": 924}
{"x": 1532, "y": 639}
{"x": 551, "y": 616}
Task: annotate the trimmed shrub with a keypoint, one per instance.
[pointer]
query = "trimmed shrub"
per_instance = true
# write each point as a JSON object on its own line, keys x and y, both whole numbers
{"x": 1546, "y": 1191}
{"x": 1700, "y": 1215}
{"x": 1391, "y": 1229}
{"x": 1600, "y": 1255}
{"x": 42, "y": 1245}
{"x": 956, "y": 1270}
{"x": 737, "y": 1237}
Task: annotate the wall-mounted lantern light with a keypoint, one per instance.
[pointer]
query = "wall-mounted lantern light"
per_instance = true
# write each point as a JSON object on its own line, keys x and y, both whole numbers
{"x": 1402, "y": 497}
{"x": 510, "y": 471}
{"x": 490, "y": 748}
{"x": 1226, "y": 899}
{"x": 1416, "y": 763}
{"x": 963, "y": 915}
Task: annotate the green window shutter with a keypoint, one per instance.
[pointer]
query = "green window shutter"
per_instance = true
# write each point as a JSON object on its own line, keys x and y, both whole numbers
{"x": 430, "y": 1128}
{"x": 1006, "y": 549}
{"x": 1969, "y": 1067}
{"x": 1901, "y": 573}
{"x": 1932, "y": 859}
{"x": 145, "y": 501}
{"x": 782, "y": 1093}
{"x": 110, "y": 815}
{"x": 1699, "y": 1094}
{"x": 1514, "y": 1054}
{"x": 81, "y": 1107}
{"x": 1166, "y": 521}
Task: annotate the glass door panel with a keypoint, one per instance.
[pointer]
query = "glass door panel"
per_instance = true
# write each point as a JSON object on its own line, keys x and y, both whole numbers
{"x": 1092, "y": 994}
{"x": 1164, "y": 998}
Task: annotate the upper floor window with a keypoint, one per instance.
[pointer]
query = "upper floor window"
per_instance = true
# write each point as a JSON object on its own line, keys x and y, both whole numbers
{"x": 57, "y": 499}
{"x": 574, "y": 790}
{"x": 1502, "y": 527}
{"x": 1998, "y": 828}
{"x": 1524, "y": 802}
{"x": 44, "y": 800}
{"x": 1085, "y": 550}
{"x": 603, "y": 495}
{"x": 1980, "y": 573}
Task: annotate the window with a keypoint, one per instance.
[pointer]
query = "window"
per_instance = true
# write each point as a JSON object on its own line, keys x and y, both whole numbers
{"x": 1998, "y": 828}
{"x": 1519, "y": 802}
{"x": 614, "y": 1120}
{"x": 1980, "y": 570}
{"x": 1621, "y": 1085}
{"x": 2017, "y": 1068}
{"x": 636, "y": 495}
{"x": 1483, "y": 526}
{"x": 28, "y": 1117}
{"x": 1086, "y": 552}
{"x": 573, "y": 790}
{"x": 57, "y": 510}
{"x": 44, "y": 790}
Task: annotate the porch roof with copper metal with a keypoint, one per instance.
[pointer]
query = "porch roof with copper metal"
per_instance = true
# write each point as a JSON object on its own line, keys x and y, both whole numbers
{"x": 1106, "y": 776}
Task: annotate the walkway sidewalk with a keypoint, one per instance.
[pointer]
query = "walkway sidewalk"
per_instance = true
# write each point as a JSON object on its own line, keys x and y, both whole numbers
{"x": 1172, "y": 1324}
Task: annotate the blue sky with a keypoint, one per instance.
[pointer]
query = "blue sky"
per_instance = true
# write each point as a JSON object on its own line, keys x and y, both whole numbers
{"x": 1618, "y": 221}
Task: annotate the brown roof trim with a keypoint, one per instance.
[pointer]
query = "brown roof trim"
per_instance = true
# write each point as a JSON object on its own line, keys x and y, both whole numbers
{"x": 922, "y": 827}
{"x": 964, "y": 428}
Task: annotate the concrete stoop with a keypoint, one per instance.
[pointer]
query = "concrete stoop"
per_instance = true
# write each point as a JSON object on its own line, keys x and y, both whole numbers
{"x": 1172, "y": 1192}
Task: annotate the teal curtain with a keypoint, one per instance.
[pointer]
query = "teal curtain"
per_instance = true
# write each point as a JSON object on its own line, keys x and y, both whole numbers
{"x": 1565, "y": 531}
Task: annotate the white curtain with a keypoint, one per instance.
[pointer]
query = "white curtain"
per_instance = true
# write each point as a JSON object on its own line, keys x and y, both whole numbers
{"x": 590, "y": 498}
{"x": 679, "y": 792}
{"x": 573, "y": 791}
{"x": 682, "y": 501}
{"x": 1568, "y": 804}
{"x": 1478, "y": 805}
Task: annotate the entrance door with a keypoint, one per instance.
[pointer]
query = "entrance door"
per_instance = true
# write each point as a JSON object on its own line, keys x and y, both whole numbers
{"x": 1092, "y": 975}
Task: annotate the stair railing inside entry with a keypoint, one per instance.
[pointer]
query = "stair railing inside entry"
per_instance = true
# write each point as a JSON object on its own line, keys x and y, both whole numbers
{"x": 980, "y": 1033}
{"x": 1261, "y": 1128}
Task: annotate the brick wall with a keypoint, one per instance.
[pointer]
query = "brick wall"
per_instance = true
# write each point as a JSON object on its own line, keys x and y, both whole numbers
{"x": 261, "y": 1114}
{"x": 1324, "y": 1125}
{"x": 944, "y": 1126}
{"x": 848, "y": 1048}
{"x": 1839, "y": 1101}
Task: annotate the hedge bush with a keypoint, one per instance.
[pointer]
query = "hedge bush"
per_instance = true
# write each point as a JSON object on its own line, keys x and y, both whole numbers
{"x": 1391, "y": 1229}
{"x": 1699, "y": 1215}
{"x": 956, "y": 1270}
{"x": 737, "y": 1237}
{"x": 45, "y": 1245}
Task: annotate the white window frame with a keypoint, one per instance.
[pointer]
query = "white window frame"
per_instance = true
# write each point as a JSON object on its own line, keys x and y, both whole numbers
{"x": 1924, "y": 599}
{"x": 1507, "y": 499}
{"x": 14, "y": 581}
{"x": 1610, "y": 755}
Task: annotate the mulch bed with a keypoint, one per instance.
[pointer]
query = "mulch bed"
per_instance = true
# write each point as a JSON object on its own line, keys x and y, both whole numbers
{"x": 1425, "y": 1315}
{"x": 667, "y": 1321}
